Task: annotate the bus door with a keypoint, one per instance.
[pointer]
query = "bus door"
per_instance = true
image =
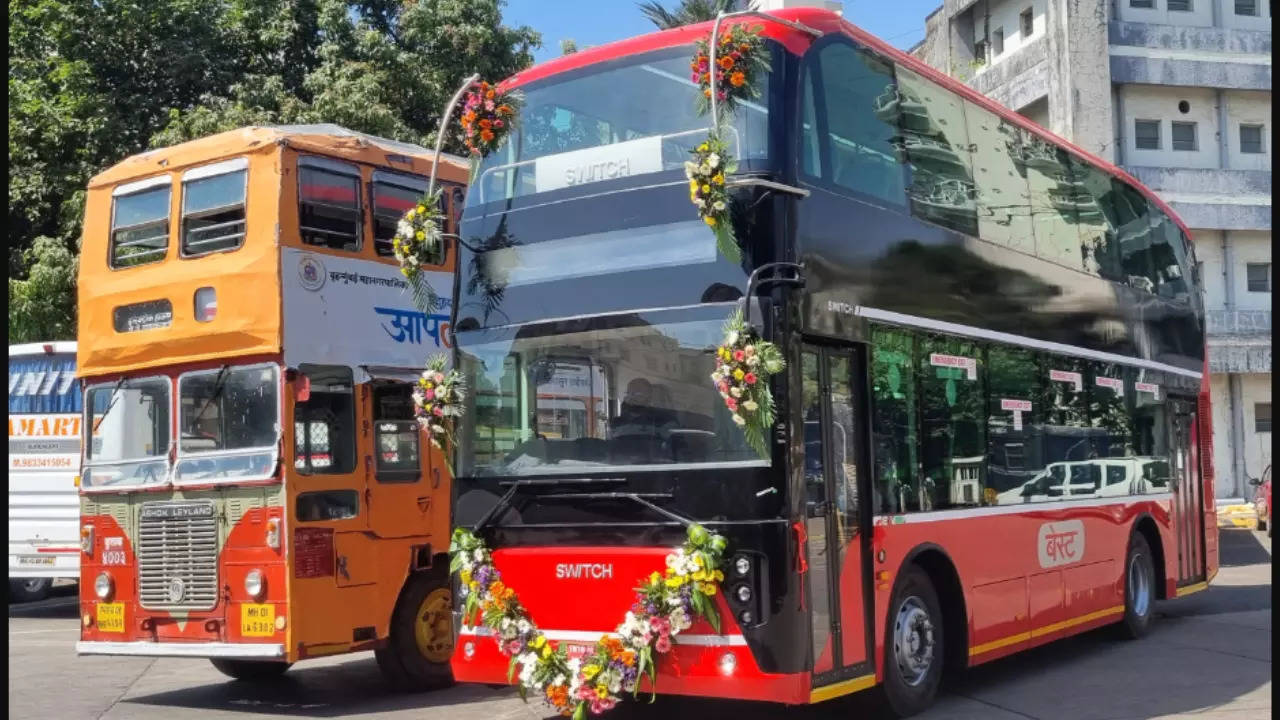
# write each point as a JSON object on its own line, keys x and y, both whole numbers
{"x": 837, "y": 536}
{"x": 398, "y": 470}
{"x": 1188, "y": 493}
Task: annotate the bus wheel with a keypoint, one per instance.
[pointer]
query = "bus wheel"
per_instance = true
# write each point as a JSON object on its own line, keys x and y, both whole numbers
{"x": 1139, "y": 588}
{"x": 250, "y": 670}
{"x": 417, "y": 654}
{"x": 913, "y": 645}
{"x": 29, "y": 589}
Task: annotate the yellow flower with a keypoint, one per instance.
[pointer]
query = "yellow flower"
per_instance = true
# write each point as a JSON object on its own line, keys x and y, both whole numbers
{"x": 708, "y": 589}
{"x": 420, "y": 235}
{"x": 693, "y": 185}
{"x": 410, "y": 213}
{"x": 602, "y": 691}
{"x": 703, "y": 147}
{"x": 697, "y": 560}
{"x": 465, "y": 577}
{"x": 700, "y": 575}
{"x": 655, "y": 577}
{"x": 718, "y": 179}
{"x": 422, "y": 208}
{"x": 738, "y": 374}
{"x": 719, "y": 576}
{"x": 539, "y": 641}
{"x": 709, "y": 220}
{"x": 546, "y": 651}
{"x": 474, "y": 586}
{"x": 590, "y": 671}
{"x": 706, "y": 188}
{"x": 675, "y": 582}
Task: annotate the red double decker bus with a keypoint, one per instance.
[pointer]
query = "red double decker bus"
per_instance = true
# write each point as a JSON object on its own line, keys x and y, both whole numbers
{"x": 992, "y": 431}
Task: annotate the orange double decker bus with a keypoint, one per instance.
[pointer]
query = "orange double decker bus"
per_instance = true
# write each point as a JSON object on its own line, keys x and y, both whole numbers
{"x": 256, "y": 490}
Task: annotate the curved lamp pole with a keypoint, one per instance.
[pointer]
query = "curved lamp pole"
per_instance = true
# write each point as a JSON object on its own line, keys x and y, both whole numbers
{"x": 444, "y": 123}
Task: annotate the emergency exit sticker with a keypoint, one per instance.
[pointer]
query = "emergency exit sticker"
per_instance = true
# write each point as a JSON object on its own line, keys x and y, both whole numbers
{"x": 1148, "y": 388}
{"x": 968, "y": 364}
{"x": 1113, "y": 383}
{"x": 1017, "y": 407}
{"x": 1075, "y": 378}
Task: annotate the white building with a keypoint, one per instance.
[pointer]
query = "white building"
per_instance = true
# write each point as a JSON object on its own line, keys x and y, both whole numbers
{"x": 1178, "y": 92}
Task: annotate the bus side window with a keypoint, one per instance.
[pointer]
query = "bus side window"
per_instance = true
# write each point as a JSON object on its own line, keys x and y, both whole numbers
{"x": 396, "y": 434}
{"x": 324, "y": 423}
{"x": 894, "y": 417}
{"x": 935, "y": 141}
{"x": 139, "y": 225}
{"x": 329, "y": 212}
{"x": 213, "y": 208}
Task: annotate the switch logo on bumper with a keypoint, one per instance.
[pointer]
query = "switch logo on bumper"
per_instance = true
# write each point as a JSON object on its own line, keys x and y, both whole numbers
{"x": 584, "y": 571}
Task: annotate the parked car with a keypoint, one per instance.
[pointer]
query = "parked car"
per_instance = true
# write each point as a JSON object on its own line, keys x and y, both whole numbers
{"x": 1262, "y": 500}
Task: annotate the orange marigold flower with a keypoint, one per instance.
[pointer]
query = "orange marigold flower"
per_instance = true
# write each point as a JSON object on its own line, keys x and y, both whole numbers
{"x": 737, "y": 79}
{"x": 744, "y": 47}
{"x": 489, "y": 95}
{"x": 486, "y": 123}
{"x": 725, "y": 62}
{"x": 486, "y": 135}
{"x": 504, "y": 109}
{"x": 707, "y": 92}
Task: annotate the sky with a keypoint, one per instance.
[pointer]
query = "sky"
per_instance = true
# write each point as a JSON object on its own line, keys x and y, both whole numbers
{"x": 596, "y": 22}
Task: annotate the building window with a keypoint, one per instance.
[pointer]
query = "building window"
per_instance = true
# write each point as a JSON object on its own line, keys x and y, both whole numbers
{"x": 1184, "y": 136}
{"x": 1259, "y": 276}
{"x": 1143, "y": 4}
{"x": 1146, "y": 134}
{"x": 1251, "y": 139}
{"x": 997, "y": 42}
{"x": 1262, "y": 417}
{"x": 980, "y": 52}
{"x": 1179, "y": 5}
{"x": 1247, "y": 7}
{"x": 1028, "y": 26}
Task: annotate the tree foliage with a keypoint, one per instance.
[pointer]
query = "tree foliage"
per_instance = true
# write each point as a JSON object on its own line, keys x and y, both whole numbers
{"x": 94, "y": 81}
{"x": 689, "y": 12}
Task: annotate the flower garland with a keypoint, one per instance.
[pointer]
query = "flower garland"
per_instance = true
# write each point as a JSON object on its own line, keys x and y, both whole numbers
{"x": 666, "y": 604}
{"x": 418, "y": 237}
{"x": 487, "y": 116}
{"x": 437, "y": 400}
{"x": 744, "y": 364}
{"x": 740, "y": 61}
{"x": 711, "y": 162}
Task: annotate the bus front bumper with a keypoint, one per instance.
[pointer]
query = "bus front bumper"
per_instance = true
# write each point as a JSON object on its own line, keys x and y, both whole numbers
{"x": 236, "y": 651}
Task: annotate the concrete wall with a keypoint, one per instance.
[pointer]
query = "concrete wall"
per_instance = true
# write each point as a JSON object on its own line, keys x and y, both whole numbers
{"x": 1250, "y": 247}
{"x": 1261, "y": 21}
{"x": 1223, "y": 447}
{"x": 1154, "y": 102}
{"x": 1253, "y": 108}
{"x": 1201, "y": 13}
{"x": 1255, "y": 389}
{"x": 1006, "y": 15}
{"x": 1208, "y": 248}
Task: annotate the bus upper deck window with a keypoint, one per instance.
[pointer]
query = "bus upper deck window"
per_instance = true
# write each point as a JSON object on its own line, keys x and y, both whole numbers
{"x": 393, "y": 195}
{"x": 140, "y": 222}
{"x": 213, "y": 207}
{"x": 329, "y": 213}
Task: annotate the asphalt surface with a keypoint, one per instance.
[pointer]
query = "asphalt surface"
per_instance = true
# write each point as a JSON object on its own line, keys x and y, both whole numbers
{"x": 1208, "y": 657}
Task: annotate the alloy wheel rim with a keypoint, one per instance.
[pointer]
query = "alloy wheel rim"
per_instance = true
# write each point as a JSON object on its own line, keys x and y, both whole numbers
{"x": 913, "y": 640}
{"x": 433, "y": 626}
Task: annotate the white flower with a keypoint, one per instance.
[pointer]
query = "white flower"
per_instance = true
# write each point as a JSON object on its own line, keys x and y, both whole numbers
{"x": 719, "y": 205}
{"x": 753, "y": 361}
{"x": 559, "y": 680}
{"x": 671, "y": 561}
{"x": 704, "y": 169}
{"x": 478, "y": 555}
{"x": 700, "y": 202}
{"x": 615, "y": 683}
{"x": 713, "y": 160}
{"x": 689, "y": 167}
{"x": 524, "y": 626}
{"x": 735, "y": 391}
{"x": 732, "y": 339}
{"x": 738, "y": 419}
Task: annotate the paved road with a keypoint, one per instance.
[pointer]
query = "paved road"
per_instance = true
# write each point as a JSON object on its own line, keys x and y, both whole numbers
{"x": 1208, "y": 657}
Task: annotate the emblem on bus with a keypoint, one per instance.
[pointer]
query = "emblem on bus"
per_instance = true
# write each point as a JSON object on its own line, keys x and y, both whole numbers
{"x": 311, "y": 272}
{"x": 584, "y": 571}
{"x": 1060, "y": 543}
{"x": 176, "y": 590}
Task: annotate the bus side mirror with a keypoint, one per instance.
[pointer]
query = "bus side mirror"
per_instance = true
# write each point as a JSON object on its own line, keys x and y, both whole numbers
{"x": 774, "y": 273}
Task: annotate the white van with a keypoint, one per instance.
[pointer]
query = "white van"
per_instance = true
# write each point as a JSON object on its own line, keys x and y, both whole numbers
{"x": 44, "y": 457}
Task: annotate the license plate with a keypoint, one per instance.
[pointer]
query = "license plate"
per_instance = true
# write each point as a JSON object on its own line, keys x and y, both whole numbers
{"x": 111, "y": 617}
{"x": 577, "y": 651}
{"x": 257, "y": 620}
{"x": 35, "y": 559}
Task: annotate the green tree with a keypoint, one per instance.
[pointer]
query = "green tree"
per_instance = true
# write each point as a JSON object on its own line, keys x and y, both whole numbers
{"x": 568, "y": 46}
{"x": 689, "y": 12}
{"x": 94, "y": 81}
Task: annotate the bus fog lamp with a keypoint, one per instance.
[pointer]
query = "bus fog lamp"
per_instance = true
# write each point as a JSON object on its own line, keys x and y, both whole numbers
{"x": 728, "y": 663}
{"x": 746, "y": 618}
{"x": 102, "y": 586}
{"x": 741, "y": 565}
{"x": 255, "y": 584}
{"x": 743, "y": 593}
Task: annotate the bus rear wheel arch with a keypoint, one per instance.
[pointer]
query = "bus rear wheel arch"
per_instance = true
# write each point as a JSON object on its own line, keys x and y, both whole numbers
{"x": 29, "y": 589}
{"x": 416, "y": 656}
{"x": 1140, "y": 587}
{"x": 914, "y": 644}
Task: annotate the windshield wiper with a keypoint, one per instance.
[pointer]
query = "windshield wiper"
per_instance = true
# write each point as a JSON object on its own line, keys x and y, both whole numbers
{"x": 114, "y": 398}
{"x": 517, "y": 485}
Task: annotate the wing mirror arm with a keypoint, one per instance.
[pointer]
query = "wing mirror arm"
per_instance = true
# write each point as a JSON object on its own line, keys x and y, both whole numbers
{"x": 774, "y": 273}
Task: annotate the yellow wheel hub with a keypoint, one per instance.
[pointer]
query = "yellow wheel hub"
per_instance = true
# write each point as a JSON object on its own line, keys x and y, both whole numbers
{"x": 433, "y": 626}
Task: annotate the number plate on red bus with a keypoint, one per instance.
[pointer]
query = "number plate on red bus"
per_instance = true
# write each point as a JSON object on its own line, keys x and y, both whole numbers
{"x": 577, "y": 650}
{"x": 111, "y": 617}
{"x": 257, "y": 620}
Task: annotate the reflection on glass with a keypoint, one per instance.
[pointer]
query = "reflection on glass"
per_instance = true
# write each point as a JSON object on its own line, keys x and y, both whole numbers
{"x": 935, "y": 143}
{"x": 894, "y": 416}
{"x": 128, "y": 427}
{"x": 862, "y": 123}
{"x": 951, "y": 423}
{"x": 617, "y": 391}
{"x": 1000, "y": 177}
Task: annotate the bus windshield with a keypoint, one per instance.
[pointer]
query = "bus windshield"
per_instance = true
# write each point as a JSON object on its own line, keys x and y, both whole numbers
{"x": 230, "y": 423}
{"x": 631, "y": 117}
{"x": 129, "y": 426}
{"x": 628, "y": 391}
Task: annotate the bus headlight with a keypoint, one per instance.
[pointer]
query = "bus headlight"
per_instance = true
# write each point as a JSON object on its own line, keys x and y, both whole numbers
{"x": 742, "y": 565}
{"x": 743, "y": 593}
{"x": 102, "y": 586}
{"x": 255, "y": 584}
{"x": 86, "y": 539}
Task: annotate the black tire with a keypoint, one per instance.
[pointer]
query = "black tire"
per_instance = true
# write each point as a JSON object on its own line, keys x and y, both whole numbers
{"x": 913, "y": 648}
{"x": 1139, "y": 588}
{"x": 405, "y": 663}
{"x": 1262, "y": 523}
{"x": 29, "y": 589}
{"x": 255, "y": 671}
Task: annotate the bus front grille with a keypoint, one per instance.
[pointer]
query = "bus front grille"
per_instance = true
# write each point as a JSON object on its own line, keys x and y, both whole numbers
{"x": 178, "y": 556}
